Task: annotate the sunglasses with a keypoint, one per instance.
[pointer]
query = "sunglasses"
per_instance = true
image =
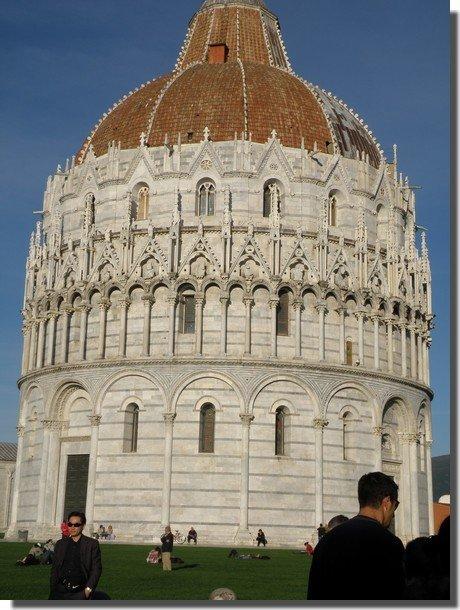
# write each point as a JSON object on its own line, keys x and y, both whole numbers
{"x": 70, "y": 524}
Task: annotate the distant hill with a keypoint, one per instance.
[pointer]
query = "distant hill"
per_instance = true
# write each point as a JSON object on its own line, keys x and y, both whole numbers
{"x": 441, "y": 476}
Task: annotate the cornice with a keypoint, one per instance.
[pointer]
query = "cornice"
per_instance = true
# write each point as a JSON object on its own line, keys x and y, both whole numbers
{"x": 346, "y": 372}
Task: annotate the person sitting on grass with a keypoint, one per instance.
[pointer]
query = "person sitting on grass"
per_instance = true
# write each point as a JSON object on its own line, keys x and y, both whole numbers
{"x": 155, "y": 555}
{"x": 33, "y": 556}
{"x": 48, "y": 552}
{"x": 308, "y": 548}
{"x": 192, "y": 535}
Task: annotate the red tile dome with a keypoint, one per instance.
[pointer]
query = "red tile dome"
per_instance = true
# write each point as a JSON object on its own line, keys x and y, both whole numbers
{"x": 233, "y": 76}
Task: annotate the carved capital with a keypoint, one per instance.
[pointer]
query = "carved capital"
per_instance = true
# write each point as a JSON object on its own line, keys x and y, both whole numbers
{"x": 104, "y": 304}
{"x": 377, "y": 430}
{"x": 51, "y": 424}
{"x": 20, "y": 430}
{"x": 409, "y": 438}
{"x": 319, "y": 423}
{"x": 169, "y": 418}
{"x": 148, "y": 300}
{"x": 273, "y": 303}
{"x": 321, "y": 307}
{"x": 224, "y": 299}
{"x": 248, "y": 301}
{"x": 297, "y": 304}
{"x": 94, "y": 420}
{"x": 246, "y": 419}
{"x": 125, "y": 303}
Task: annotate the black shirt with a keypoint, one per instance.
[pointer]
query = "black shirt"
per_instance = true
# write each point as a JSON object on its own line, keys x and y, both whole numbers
{"x": 359, "y": 559}
{"x": 167, "y": 543}
{"x": 71, "y": 567}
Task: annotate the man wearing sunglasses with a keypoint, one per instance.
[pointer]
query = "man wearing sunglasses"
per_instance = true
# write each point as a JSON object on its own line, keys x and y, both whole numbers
{"x": 76, "y": 564}
{"x": 361, "y": 559}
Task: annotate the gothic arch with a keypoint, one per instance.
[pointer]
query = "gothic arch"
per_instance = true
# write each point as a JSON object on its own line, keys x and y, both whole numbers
{"x": 177, "y": 389}
{"x": 121, "y": 375}
{"x": 61, "y": 396}
{"x": 401, "y": 408}
{"x": 272, "y": 378}
{"x": 372, "y": 398}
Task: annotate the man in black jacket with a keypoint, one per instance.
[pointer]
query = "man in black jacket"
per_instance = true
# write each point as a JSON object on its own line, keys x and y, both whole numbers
{"x": 361, "y": 559}
{"x": 76, "y": 564}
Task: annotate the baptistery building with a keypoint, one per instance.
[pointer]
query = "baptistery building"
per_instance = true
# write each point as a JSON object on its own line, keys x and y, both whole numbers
{"x": 227, "y": 308}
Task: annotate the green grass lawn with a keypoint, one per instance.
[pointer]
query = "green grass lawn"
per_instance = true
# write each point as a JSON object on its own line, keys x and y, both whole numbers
{"x": 127, "y": 576}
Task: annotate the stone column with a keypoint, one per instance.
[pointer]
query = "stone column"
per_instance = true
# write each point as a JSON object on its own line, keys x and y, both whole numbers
{"x": 65, "y": 334}
{"x": 52, "y": 323}
{"x": 33, "y": 345}
{"x": 427, "y": 360}
{"x": 95, "y": 421}
{"x": 342, "y": 347}
{"x": 41, "y": 342}
{"x": 248, "y": 301}
{"x": 297, "y": 306}
{"x": 167, "y": 469}
{"x": 199, "y": 302}
{"x": 84, "y": 310}
{"x": 319, "y": 425}
{"x": 52, "y": 475}
{"x": 43, "y": 471}
{"x": 124, "y": 306}
{"x": 223, "y": 324}
{"x": 390, "y": 344}
{"x": 243, "y": 529}
{"x": 148, "y": 302}
{"x": 377, "y": 431}
{"x": 12, "y": 533}
{"x": 273, "y": 304}
{"x": 405, "y": 489}
{"x": 376, "y": 321}
{"x": 172, "y": 324}
{"x": 413, "y": 353}
{"x": 403, "y": 350}
{"x": 413, "y": 439}
{"x": 360, "y": 317}
{"x": 322, "y": 310}
{"x": 429, "y": 476}
{"x": 103, "y": 307}
{"x": 420, "y": 376}
{"x": 25, "y": 348}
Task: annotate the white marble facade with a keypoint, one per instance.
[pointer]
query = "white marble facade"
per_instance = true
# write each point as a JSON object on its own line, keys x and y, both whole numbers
{"x": 123, "y": 246}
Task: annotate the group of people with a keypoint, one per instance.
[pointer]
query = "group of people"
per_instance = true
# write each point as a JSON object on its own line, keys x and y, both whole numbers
{"x": 104, "y": 534}
{"x": 368, "y": 562}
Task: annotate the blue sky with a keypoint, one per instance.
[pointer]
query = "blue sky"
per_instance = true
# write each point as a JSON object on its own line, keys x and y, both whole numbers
{"x": 64, "y": 63}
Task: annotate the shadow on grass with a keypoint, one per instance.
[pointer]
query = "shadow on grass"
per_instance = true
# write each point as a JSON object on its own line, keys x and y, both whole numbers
{"x": 186, "y": 567}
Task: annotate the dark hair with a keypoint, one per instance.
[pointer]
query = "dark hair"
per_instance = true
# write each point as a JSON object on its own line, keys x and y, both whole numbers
{"x": 78, "y": 514}
{"x": 337, "y": 520}
{"x": 373, "y": 487}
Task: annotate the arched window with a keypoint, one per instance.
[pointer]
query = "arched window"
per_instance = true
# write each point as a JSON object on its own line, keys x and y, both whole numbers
{"x": 282, "y": 314}
{"x": 131, "y": 429}
{"x": 206, "y": 198}
{"x": 349, "y": 352}
{"x": 272, "y": 198}
{"x": 280, "y": 430}
{"x": 207, "y": 427}
{"x": 142, "y": 208}
{"x": 346, "y": 434}
{"x": 187, "y": 312}
{"x": 332, "y": 211}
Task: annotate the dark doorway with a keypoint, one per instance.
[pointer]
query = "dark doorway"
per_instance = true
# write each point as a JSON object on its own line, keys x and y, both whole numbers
{"x": 76, "y": 483}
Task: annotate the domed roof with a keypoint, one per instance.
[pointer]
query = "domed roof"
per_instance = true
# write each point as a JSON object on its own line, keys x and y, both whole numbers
{"x": 233, "y": 76}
